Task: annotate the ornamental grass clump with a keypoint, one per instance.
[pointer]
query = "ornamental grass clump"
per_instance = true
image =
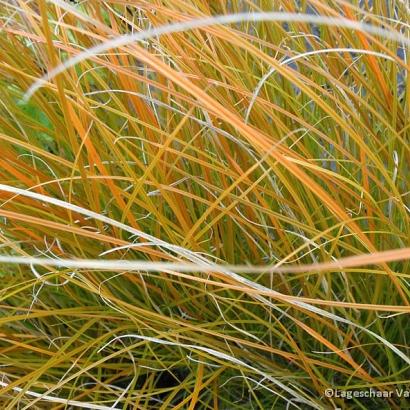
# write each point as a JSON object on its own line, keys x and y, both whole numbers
{"x": 204, "y": 205}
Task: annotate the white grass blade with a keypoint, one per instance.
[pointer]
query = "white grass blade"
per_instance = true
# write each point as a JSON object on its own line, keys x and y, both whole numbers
{"x": 179, "y": 27}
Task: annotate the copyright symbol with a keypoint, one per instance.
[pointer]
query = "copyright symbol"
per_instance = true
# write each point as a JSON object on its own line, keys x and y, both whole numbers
{"x": 329, "y": 392}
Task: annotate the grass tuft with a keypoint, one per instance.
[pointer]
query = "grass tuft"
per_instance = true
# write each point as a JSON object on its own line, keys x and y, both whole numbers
{"x": 204, "y": 205}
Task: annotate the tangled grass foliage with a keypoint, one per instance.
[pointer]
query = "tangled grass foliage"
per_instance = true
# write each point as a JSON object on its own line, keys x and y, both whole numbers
{"x": 204, "y": 204}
